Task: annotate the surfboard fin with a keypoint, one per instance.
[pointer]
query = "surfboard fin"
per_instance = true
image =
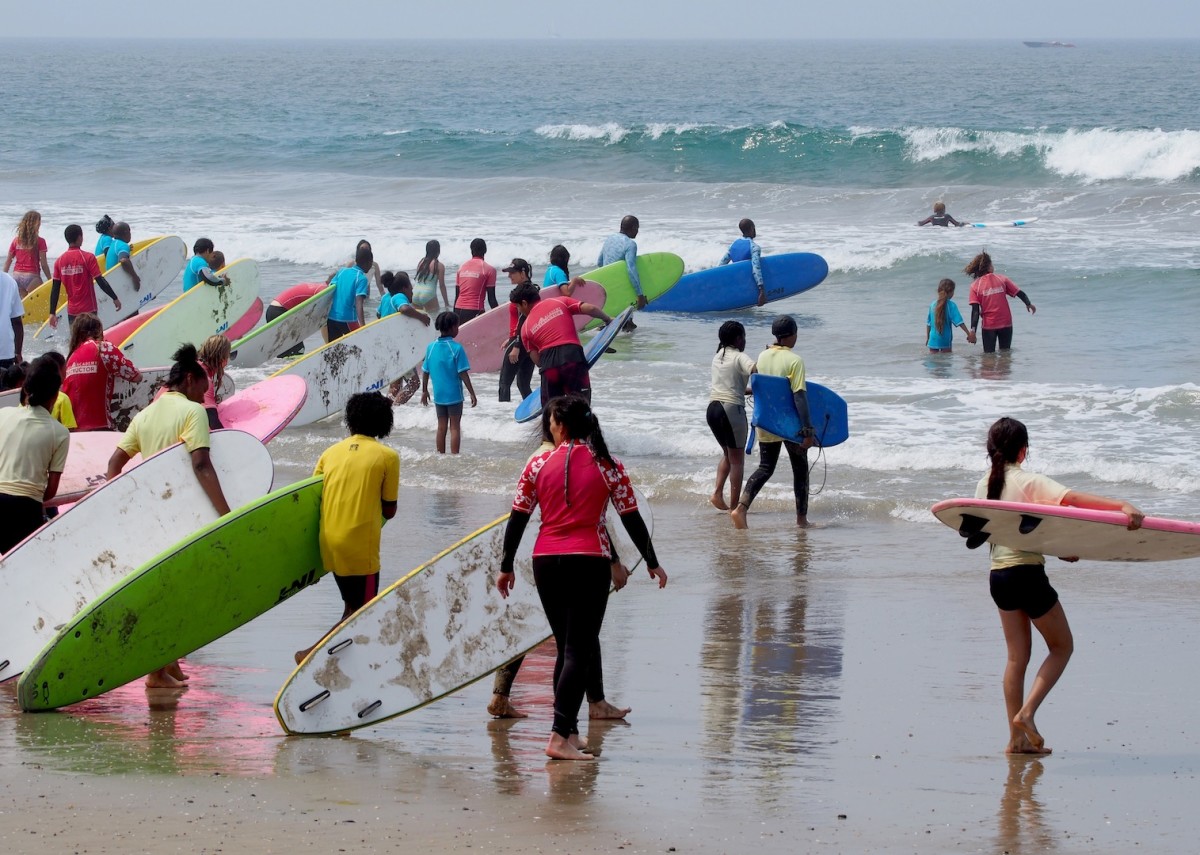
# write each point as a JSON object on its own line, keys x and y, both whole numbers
{"x": 314, "y": 700}
{"x": 370, "y": 708}
{"x": 1028, "y": 523}
{"x": 972, "y": 528}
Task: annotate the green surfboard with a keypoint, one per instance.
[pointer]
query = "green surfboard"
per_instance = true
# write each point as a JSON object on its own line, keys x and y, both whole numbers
{"x": 657, "y": 270}
{"x": 204, "y": 587}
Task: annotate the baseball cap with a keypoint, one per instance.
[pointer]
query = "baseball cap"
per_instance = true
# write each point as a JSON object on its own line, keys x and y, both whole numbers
{"x": 519, "y": 264}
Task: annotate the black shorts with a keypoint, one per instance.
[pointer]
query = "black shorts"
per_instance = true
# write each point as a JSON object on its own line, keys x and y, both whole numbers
{"x": 357, "y": 591}
{"x": 991, "y": 337}
{"x": 445, "y": 411}
{"x": 1024, "y": 588}
{"x": 465, "y": 315}
{"x": 727, "y": 423}
{"x": 565, "y": 378}
{"x": 337, "y": 329}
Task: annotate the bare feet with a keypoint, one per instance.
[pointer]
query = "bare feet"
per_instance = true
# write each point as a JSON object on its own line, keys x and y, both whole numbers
{"x": 176, "y": 671}
{"x": 738, "y": 515}
{"x": 604, "y": 710}
{"x": 501, "y": 707}
{"x": 1021, "y": 745}
{"x": 160, "y": 679}
{"x": 559, "y": 748}
{"x": 801, "y": 520}
{"x": 579, "y": 742}
{"x": 1029, "y": 729}
{"x": 718, "y": 502}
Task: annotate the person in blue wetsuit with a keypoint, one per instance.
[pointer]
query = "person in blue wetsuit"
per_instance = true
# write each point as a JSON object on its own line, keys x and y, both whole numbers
{"x": 200, "y": 266}
{"x": 350, "y": 289}
{"x": 119, "y": 252}
{"x": 557, "y": 273}
{"x": 943, "y": 318}
{"x": 623, "y": 246}
{"x": 746, "y": 248}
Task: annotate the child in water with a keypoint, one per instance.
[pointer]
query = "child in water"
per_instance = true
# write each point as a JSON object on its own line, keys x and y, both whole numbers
{"x": 1019, "y": 585}
{"x": 939, "y": 217}
{"x": 447, "y": 364}
{"x": 398, "y": 299}
{"x": 943, "y": 318}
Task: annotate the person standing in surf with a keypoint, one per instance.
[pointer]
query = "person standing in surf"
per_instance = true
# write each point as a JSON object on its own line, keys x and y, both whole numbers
{"x": 558, "y": 273}
{"x": 573, "y": 484}
{"x": 943, "y": 317}
{"x": 362, "y": 486}
{"x": 779, "y": 360}
{"x": 350, "y": 290}
{"x": 202, "y": 265}
{"x": 398, "y": 300}
{"x": 447, "y": 365}
{"x": 120, "y": 251}
{"x": 1019, "y": 585}
{"x": 27, "y": 254}
{"x": 93, "y": 366}
{"x": 622, "y": 246}
{"x": 516, "y": 364}
{"x": 549, "y": 335}
{"x": 431, "y": 276}
{"x": 475, "y": 279}
{"x": 731, "y": 370}
{"x": 989, "y": 299}
{"x": 78, "y": 273}
{"x": 746, "y": 248}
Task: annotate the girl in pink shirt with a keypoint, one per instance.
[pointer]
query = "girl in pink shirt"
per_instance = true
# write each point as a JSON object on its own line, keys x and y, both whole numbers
{"x": 28, "y": 251}
{"x": 989, "y": 297}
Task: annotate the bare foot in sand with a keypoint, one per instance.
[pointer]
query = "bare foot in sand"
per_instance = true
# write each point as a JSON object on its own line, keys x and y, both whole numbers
{"x": 579, "y": 742}
{"x": 718, "y": 502}
{"x": 738, "y": 515}
{"x": 176, "y": 671}
{"x": 1020, "y": 744}
{"x": 601, "y": 710}
{"x": 160, "y": 679}
{"x": 1026, "y": 727}
{"x": 560, "y": 749}
{"x": 501, "y": 707}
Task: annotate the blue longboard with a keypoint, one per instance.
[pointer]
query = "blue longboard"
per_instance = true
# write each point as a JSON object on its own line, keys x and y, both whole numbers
{"x": 731, "y": 286}
{"x": 775, "y": 411}
{"x": 531, "y": 407}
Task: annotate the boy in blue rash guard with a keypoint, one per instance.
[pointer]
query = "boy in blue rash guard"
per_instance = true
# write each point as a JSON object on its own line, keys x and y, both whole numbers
{"x": 746, "y": 248}
{"x": 350, "y": 289}
{"x": 200, "y": 266}
{"x": 119, "y": 251}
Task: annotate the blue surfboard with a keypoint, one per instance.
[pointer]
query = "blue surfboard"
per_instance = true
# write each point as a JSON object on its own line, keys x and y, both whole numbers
{"x": 731, "y": 286}
{"x": 775, "y": 411}
{"x": 531, "y": 407}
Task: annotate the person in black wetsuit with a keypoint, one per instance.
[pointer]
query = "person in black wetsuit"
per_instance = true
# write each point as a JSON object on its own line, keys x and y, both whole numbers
{"x": 939, "y": 217}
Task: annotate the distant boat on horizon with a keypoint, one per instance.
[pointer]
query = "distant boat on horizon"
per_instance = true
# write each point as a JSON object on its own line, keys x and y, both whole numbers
{"x": 1049, "y": 44}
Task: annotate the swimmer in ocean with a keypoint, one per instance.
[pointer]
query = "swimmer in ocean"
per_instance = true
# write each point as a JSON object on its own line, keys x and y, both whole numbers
{"x": 939, "y": 217}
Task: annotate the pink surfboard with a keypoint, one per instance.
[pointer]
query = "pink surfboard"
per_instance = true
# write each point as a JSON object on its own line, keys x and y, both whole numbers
{"x": 1069, "y": 532}
{"x": 484, "y": 336}
{"x": 266, "y": 408}
{"x": 246, "y": 322}
{"x": 118, "y": 332}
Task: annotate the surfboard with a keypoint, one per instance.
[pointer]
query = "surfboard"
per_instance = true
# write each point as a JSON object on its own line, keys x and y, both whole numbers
{"x": 1069, "y": 532}
{"x": 1008, "y": 223}
{"x": 775, "y": 411}
{"x": 437, "y": 630}
{"x": 484, "y": 337}
{"x": 731, "y": 286}
{"x": 283, "y": 333}
{"x": 531, "y": 407}
{"x": 265, "y": 408}
{"x": 130, "y": 397}
{"x": 195, "y": 315}
{"x": 37, "y": 303}
{"x": 246, "y": 322}
{"x": 658, "y": 271}
{"x": 183, "y": 599}
{"x": 71, "y": 560}
{"x": 122, "y": 330}
{"x": 365, "y": 360}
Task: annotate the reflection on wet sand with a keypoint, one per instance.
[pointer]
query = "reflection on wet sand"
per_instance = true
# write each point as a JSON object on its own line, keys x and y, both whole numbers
{"x": 990, "y": 366}
{"x": 770, "y": 672}
{"x": 1020, "y": 826}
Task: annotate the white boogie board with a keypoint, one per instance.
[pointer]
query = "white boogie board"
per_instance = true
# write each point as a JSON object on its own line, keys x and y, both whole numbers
{"x": 437, "y": 630}
{"x": 194, "y": 315}
{"x": 47, "y": 578}
{"x": 157, "y": 263}
{"x": 283, "y": 333}
{"x": 1069, "y": 532}
{"x": 365, "y": 360}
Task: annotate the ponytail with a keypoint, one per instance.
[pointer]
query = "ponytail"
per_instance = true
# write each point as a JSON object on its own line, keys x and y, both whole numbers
{"x": 940, "y": 312}
{"x": 185, "y": 364}
{"x": 1007, "y": 438}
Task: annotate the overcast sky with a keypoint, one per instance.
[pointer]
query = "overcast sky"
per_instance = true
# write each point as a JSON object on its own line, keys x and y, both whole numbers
{"x": 609, "y": 19}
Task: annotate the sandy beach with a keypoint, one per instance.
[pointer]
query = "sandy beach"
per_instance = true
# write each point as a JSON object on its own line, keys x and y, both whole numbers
{"x": 832, "y": 690}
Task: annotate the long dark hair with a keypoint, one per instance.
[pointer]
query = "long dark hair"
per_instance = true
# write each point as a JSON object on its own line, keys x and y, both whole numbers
{"x": 85, "y": 327}
{"x": 728, "y": 335}
{"x": 980, "y": 265}
{"x": 940, "y": 313}
{"x": 425, "y": 268}
{"x": 185, "y": 364}
{"x": 559, "y": 257}
{"x": 1006, "y": 438}
{"x": 580, "y": 424}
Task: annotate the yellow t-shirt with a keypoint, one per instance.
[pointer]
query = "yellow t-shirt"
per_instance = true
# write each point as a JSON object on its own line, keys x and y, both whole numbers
{"x": 63, "y": 413}
{"x": 780, "y": 361}
{"x": 32, "y": 444}
{"x": 360, "y": 473}
{"x": 1021, "y": 486}
{"x": 170, "y": 419}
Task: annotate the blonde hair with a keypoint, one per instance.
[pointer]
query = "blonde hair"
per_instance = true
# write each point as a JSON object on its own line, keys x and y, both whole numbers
{"x": 214, "y": 354}
{"x": 27, "y": 230}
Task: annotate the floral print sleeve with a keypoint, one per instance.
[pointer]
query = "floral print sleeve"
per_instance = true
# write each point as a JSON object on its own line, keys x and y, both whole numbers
{"x": 526, "y": 498}
{"x": 116, "y": 363}
{"x": 620, "y": 490}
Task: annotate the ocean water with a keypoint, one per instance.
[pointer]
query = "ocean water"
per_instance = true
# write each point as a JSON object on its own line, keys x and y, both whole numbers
{"x": 290, "y": 152}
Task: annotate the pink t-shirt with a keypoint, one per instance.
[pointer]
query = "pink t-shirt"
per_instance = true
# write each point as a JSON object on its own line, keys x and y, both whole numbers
{"x": 551, "y": 323}
{"x": 991, "y": 292}
{"x": 473, "y": 280}
{"x": 576, "y": 528}
{"x": 27, "y": 260}
{"x": 77, "y": 270}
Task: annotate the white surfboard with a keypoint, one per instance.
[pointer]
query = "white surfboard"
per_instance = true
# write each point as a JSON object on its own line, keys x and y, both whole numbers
{"x": 1069, "y": 532}
{"x": 365, "y": 360}
{"x": 194, "y": 315}
{"x": 47, "y": 578}
{"x": 1004, "y": 224}
{"x": 130, "y": 397}
{"x": 283, "y": 333}
{"x": 437, "y": 630}
{"x": 157, "y": 263}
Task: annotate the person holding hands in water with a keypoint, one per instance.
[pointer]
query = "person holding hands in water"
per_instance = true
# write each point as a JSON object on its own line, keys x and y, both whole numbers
{"x": 943, "y": 317}
{"x": 1019, "y": 585}
{"x": 989, "y": 299}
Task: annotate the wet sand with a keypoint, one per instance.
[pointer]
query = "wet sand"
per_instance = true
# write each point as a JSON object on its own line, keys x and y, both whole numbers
{"x": 831, "y": 690}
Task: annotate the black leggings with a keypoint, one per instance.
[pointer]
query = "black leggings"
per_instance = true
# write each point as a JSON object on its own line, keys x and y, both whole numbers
{"x": 990, "y": 337}
{"x": 522, "y": 372}
{"x": 768, "y": 456}
{"x": 20, "y": 517}
{"x": 574, "y": 593}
